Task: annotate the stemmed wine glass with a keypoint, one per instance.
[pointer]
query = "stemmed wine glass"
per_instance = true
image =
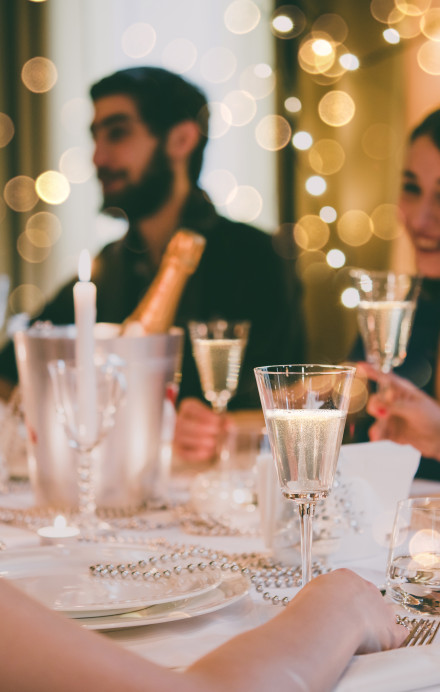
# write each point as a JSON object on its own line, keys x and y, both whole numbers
{"x": 218, "y": 347}
{"x": 385, "y": 312}
{"x": 110, "y": 388}
{"x": 305, "y": 408}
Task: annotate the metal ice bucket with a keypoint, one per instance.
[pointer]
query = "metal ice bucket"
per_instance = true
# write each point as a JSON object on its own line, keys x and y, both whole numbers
{"x": 128, "y": 459}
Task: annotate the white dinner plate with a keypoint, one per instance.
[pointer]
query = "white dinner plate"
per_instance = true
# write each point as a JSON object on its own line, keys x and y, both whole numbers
{"x": 231, "y": 589}
{"x": 59, "y": 577}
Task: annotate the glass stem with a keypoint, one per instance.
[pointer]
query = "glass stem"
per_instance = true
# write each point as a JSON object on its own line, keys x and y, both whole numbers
{"x": 86, "y": 486}
{"x": 306, "y": 512}
{"x": 223, "y": 452}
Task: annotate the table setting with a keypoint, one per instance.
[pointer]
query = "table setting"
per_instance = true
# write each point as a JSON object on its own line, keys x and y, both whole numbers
{"x": 170, "y": 562}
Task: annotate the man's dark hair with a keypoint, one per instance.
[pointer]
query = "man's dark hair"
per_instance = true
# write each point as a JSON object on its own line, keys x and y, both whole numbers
{"x": 429, "y": 127}
{"x": 163, "y": 99}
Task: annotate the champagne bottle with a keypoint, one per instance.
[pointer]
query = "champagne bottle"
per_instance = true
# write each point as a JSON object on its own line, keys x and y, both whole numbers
{"x": 156, "y": 311}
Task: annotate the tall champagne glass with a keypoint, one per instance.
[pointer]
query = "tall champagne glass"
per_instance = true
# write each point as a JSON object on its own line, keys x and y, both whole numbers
{"x": 110, "y": 388}
{"x": 218, "y": 347}
{"x": 385, "y": 312}
{"x": 305, "y": 408}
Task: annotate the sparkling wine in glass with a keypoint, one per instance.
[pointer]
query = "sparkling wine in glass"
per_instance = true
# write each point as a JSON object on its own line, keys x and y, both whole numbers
{"x": 305, "y": 408}
{"x": 387, "y": 302}
{"x": 218, "y": 347}
{"x": 110, "y": 389}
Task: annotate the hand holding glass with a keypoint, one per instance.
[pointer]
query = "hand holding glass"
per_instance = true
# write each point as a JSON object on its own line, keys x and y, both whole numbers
{"x": 305, "y": 408}
{"x": 110, "y": 387}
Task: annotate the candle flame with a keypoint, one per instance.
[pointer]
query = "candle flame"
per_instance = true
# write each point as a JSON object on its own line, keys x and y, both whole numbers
{"x": 59, "y": 522}
{"x": 84, "y": 266}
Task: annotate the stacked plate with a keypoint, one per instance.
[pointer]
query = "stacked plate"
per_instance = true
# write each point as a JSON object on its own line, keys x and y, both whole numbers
{"x": 60, "y": 577}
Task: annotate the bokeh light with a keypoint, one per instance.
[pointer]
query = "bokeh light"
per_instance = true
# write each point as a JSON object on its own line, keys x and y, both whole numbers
{"x": 273, "y": 132}
{"x": 219, "y": 119}
{"x": 52, "y": 187}
{"x": 336, "y": 108}
{"x": 326, "y": 157}
{"x": 428, "y": 57}
{"x": 39, "y": 75}
{"x": 308, "y": 259}
{"x": 258, "y": 80}
{"x": 241, "y": 106}
{"x": 413, "y": 8}
{"x": 387, "y": 221}
{"x": 381, "y": 9}
{"x": 328, "y": 214}
{"x": 76, "y": 165}
{"x": 218, "y": 64}
{"x": 335, "y": 258}
{"x": 302, "y": 140}
{"x": 355, "y": 227}
{"x": 220, "y": 185}
{"x": 333, "y": 25}
{"x": 138, "y": 40}
{"x": 358, "y": 391}
{"x": 29, "y": 252}
{"x": 312, "y": 58}
{"x": 391, "y": 36}
{"x": 408, "y": 26}
{"x": 430, "y": 24}
{"x": 311, "y": 232}
{"x": 19, "y": 193}
{"x": 241, "y": 16}
{"x": 179, "y": 55}
{"x": 350, "y": 297}
{"x": 6, "y": 129}
{"x": 288, "y": 21}
{"x": 379, "y": 141}
{"x": 349, "y": 62}
{"x": 43, "y": 229}
{"x": 245, "y": 204}
{"x": 25, "y": 298}
{"x": 292, "y": 104}
{"x": 315, "y": 185}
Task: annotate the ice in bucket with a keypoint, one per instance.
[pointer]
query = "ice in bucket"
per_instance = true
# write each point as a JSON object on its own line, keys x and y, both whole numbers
{"x": 128, "y": 459}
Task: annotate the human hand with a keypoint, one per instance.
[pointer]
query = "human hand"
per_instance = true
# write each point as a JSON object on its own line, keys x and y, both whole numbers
{"x": 198, "y": 431}
{"x": 404, "y": 413}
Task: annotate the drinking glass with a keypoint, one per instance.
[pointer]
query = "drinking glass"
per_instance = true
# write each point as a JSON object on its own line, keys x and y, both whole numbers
{"x": 218, "y": 347}
{"x": 385, "y": 312}
{"x": 413, "y": 570}
{"x": 110, "y": 388}
{"x": 305, "y": 408}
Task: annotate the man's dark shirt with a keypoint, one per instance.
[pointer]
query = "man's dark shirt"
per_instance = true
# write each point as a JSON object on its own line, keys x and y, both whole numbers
{"x": 239, "y": 277}
{"x": 420, "y": 365}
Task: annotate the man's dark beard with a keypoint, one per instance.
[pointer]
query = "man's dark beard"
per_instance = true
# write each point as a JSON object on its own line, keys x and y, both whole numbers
{"x": 144, "y": 198}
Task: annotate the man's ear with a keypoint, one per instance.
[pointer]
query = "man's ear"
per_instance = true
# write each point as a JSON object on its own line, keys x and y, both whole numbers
{"x": 182, "y": 140}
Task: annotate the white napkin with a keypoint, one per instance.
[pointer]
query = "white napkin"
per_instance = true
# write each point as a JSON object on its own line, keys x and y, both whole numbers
{"x": 400, "y": 670}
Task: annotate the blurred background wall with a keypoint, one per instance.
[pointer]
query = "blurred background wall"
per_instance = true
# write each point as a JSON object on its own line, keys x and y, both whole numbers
{"x": 310, "y": 103}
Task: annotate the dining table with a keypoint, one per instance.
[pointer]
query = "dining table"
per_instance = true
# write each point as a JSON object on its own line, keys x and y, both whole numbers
{"x": 176, "y": 635}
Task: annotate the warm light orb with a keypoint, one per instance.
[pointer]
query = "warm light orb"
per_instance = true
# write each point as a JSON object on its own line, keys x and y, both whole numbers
{"x": 218, "y": 65}
{"x": 302, "y": 140}
{"x": 220, "y": 119}
{"x": 428, "y": 57}
{"x": 355, "y": 227}
{"x": 39, "y": 75}
{"x": 282, "y": 24}
{"x": 328, "y": 214}
{"x": 326, "y": 157}
{"x": 349, "y": 62}
{"x": 315, "y": 62}
{"x": 43, "y": 229}
{"x": 336, "y": 108}
{"x": 292, "y": 104}
{"x": 387, "y": 221}
{"x": 333, "y": 25}
{"x": 315, "y": 185}
{"x": 25, "y": 298}
{"x": 430, "y": 24}
{"x": 7, "y": 129}
{"x": 335, "y": 258}
{"x": 273, "y": 132}
{"x": 322, "y": 47}
{"x": 311, "y": 232}
{"x": 179, "y": 55}
{"x": 29, "y": 252}
{"x": 138, "y": 40}
{"x": 288, "y": 21}
{"x": 19, "y": 193}
{"x": 350, "y": 298}
{"x": 242, "y": 16}
{"x": 258, "y": 80}
{"x": 52, "y": 187}
{"x": 241, "y": 106}
{"x": 412, "y": 8}
{"x": 379, "y": 141}
{"x": 76, "y": 165}
{"x": 245, "y": 204}
{"x": 391, "y": 36}
{"x": 381, "y": 9}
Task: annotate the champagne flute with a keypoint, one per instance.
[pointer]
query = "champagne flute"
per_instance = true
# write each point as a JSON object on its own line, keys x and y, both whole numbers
{"x": 305, "y": 408}
{"x": 218, "y": 347}
{"x": 110, "y": 388}
{"x": 387, "y": 302}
